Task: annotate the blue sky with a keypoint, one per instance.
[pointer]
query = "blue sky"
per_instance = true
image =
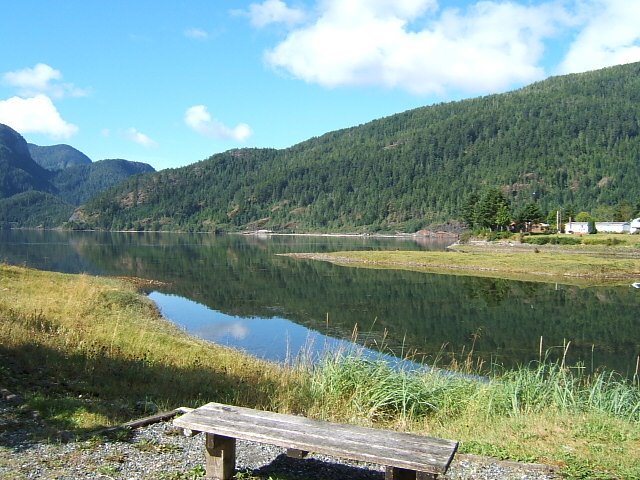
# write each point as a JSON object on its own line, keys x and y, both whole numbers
{"x": 172, "y": 82}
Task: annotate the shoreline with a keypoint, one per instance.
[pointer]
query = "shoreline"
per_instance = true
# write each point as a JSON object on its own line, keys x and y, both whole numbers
{"x": 449, "y": 235}
{"x": 259, "y": 233}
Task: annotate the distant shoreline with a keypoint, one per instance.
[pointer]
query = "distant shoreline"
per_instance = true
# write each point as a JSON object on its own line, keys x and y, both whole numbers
{"x": 259, "y": 233}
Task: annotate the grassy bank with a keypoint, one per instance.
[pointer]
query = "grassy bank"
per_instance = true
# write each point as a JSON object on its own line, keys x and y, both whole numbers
{"x": 586, "y": 266}
{"x": 89, "y": 351}
{"x": 86, "y": 352}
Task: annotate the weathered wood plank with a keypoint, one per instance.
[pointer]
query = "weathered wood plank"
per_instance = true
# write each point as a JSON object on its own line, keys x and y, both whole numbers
{"x": 241, "y": 416}
{"x": 381, "y": 449}
{"x": 314, "y": 427}
{"x": 384, "y": 447}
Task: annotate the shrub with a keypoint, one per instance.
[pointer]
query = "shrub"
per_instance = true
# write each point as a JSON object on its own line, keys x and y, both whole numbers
{"x": 602, "y": 241}
{"x": 491, "y": 236}
{"x": 566, "y": 241}
{"x": 536, "y": 240}
{"x": 465, "y": 236}
{"x": 544, "y": 240}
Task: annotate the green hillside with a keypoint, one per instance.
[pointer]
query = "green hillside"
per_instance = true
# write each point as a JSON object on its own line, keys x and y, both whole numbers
{"x": 34, "y": 209}
{"x": 57, "y": 157}
{"x": 78, "y": 183}
{"x": 570, "y": 140}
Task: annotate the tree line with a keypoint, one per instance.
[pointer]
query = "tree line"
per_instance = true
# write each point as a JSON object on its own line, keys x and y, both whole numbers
{"x": 492, "y": 210}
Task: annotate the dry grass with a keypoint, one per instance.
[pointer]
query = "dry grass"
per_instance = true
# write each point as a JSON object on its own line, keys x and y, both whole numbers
{"x": 92, "y": 348}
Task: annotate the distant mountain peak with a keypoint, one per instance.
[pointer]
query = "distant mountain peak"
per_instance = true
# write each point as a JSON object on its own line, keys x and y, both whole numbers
{"x": 13, "y": 142}
{"x": 18, "y": 171}
{"x": 57, "y": 157}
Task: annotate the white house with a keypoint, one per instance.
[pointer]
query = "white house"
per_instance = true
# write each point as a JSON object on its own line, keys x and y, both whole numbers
{"x": 634, "y": 226}
{"x": 577, "y": 227}
{"x": 613, "y": 227}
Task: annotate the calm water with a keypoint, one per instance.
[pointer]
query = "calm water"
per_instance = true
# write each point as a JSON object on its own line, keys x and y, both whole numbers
{"x": 237, "y": 291}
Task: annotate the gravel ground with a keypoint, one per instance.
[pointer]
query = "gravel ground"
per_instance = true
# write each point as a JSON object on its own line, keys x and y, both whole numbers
{"x": 160, "y": 451}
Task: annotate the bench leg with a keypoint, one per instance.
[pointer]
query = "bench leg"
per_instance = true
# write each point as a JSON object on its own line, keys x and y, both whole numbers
{"x": 395, "y": 473}
{"x": 295, "y": 453}
{"x": 220, "y": 456}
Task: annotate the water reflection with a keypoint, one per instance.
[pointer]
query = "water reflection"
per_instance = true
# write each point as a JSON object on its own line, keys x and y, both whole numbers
{"x": 242, "y": 279}
{"x": 275, "y": 339}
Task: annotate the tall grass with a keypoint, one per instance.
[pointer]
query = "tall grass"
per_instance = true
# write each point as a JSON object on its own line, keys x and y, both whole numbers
{"x": 588, "y": 423}
{"x": 374, "y": 390}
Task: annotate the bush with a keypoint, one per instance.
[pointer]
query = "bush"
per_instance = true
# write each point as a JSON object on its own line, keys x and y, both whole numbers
{"x": 544, "y": 240}
{"x": 602, "y": 241}
{"x": 566, "y": 241}
{"x": 536, "y": 240}
{"x": 491, "y": 236}
{"x": 465, "y": 236}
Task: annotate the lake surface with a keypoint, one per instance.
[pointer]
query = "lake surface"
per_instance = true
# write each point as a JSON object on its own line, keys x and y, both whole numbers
{"x": 237, "y": 291}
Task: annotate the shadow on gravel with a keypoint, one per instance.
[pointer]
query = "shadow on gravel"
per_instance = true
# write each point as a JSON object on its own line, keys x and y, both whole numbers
{"x": 287, "y": 468}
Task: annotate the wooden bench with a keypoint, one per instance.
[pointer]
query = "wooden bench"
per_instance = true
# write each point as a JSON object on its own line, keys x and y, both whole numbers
{"x": 406, "y": 456}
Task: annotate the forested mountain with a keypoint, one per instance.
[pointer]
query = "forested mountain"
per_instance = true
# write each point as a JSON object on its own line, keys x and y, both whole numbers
{"x": 32, "y": 196}
{"x": 57, "y": 157}
{"x": 18, "y": 171}
{"x": 33, "y": 209}
{"x": 78, "y": 183}
{"x": 569, "y": 140}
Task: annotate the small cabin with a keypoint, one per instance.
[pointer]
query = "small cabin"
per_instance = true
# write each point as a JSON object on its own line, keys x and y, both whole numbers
{"x": 578, "y": 227}
{"x": 613, "y": 227}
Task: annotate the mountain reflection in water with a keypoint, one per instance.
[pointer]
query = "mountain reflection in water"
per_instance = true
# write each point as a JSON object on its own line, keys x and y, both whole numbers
{"x": 275, "y": 339}
{"x": 435, "y": 317}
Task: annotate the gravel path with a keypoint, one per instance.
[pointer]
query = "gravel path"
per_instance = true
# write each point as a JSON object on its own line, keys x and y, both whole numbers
{"x": 160, "y": 451}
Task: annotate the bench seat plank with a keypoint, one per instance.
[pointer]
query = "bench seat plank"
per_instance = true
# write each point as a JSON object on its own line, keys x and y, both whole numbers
{"x": 383, "y": 447}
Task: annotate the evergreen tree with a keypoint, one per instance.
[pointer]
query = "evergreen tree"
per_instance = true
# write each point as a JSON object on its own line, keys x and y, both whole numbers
{"x": 530, "y": 213}
{"x": 469, "y": 215}
{"x": 492, "y": 202}
{"x": 503, "y": 217}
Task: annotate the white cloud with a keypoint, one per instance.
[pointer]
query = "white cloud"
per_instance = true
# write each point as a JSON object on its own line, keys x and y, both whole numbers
{"x": 36, "y": 78}
{"x": 139, "y": 138}
{"x": 411, "y": 45}
{"x": 42, "y": 79}
{"x": 37, "y": 114}
{"x": 610, "y": 35}
{"x": 198, "y": 119}
{"x": 273, "y": 11}
{"x": 196, "y": 33}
